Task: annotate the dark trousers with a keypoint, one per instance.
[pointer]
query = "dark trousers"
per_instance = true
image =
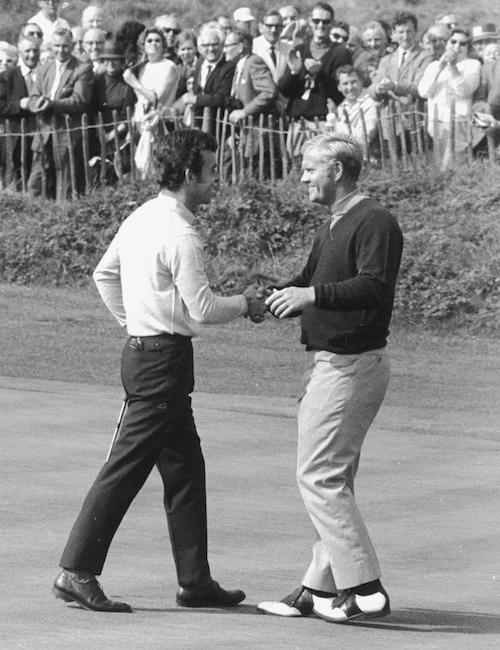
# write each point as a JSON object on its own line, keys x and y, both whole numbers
{"x": 158, "y": 428}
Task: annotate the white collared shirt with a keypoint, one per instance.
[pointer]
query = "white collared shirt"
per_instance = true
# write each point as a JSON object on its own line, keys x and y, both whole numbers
{"x": 205, "y": 66}
{"x": 152, "y": 276}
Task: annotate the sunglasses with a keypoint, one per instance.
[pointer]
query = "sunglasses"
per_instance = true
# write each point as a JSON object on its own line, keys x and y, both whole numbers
{"x": 171, "y": 30}
{"x": 36, "y": 34}
{"x": 153, "y": 40}
{"x": 338, "y": 36}
{"x": 461, "y": 43}
{"x": 273, "y": 25}
{"x": 321, "y": 21}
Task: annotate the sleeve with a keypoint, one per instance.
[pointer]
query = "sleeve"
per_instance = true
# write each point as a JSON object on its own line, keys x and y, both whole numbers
{"x": 264, "y": 85}
{"x": 8, "y": 105}
{"x": 188, "y": 273}
{"x": 378, "y": 249}
{"x": 420, "y": 64}
{"x": 108, "y": 282}
{"x": 468, "y": 81}
{"x": 429, "y": 78}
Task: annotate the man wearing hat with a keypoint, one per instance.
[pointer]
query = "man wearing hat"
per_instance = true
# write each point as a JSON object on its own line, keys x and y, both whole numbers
{"x": 483, "y": 35}
{"x": 244, "y": 20}
{"x": 111, "y": 93}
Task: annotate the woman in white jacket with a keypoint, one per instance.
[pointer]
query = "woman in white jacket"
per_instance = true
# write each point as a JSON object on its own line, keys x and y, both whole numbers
{"x": 451, "y": 81}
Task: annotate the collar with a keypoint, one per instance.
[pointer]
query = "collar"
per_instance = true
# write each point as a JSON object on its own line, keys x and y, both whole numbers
{"x": 24, "y": 68}
{"x": 212, "y": 64}
{"x": 346, "y": 203}
{"x": 173, "y": 203}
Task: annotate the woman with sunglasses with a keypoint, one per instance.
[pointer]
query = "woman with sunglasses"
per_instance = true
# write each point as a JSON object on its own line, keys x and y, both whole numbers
{"x": 448, "y": 84}
{"x": 154, "y": 80}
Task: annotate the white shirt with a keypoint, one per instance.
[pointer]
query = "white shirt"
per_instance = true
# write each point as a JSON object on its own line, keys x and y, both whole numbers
{"x": 205, "y": 69}
{"x": 350, "y": 122}
{"x": 47, "y": 26}
{"x": 152, "y": 276}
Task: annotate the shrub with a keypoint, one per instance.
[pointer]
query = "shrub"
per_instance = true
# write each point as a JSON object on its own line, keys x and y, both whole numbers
{"x": 450, "y": 273}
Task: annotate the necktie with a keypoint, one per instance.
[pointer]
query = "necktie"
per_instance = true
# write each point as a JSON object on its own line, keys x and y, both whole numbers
{"x": 57, "y": 80}
{"x": 272, "y": 50}
{"x": 29, "y": 80}
{"x": 403, "y": 58}
{"x": 209, "y": 70}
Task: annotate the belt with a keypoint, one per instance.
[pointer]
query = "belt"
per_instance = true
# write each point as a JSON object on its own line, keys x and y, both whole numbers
{"x": 155, "y": 342}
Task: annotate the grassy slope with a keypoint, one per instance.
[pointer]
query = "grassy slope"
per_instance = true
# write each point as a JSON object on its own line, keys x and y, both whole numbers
{"x": 14, "y": 12}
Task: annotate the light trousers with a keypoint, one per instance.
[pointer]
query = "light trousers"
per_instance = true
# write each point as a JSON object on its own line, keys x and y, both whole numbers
{"x": 342, "y": 396}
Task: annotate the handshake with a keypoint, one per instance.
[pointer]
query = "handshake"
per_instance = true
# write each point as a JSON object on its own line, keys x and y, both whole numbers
{"x": 256, "y": 300}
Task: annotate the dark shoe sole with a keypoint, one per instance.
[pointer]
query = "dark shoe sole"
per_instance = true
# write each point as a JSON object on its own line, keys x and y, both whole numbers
{"x": 208, "y": 603}
{"x": 71, "y": 598}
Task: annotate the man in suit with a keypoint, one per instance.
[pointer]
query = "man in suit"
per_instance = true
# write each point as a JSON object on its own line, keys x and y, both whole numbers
{"x": 15, "y": 86}
{"x": 213, "y": 77}
{"x": 310, "y": 81}
{"x": 399, "y": 73}
{"x": 63, "y": 86}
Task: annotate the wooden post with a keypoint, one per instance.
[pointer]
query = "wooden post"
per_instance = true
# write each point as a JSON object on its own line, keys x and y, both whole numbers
{"x": 490, "y": 139}
{"x": 453, "y": 130}
{"x": 261, "y": 147}
{"x": 118, "y": 154}
{"x": 71, "y": 155}
{"x": 282, "y": 145}
{"x": 207, "y": 119}
{"x": 413, "y": 134}
{"x": 232, "y": 135}
{"x": 222, "y": 145}
{"x": 23, "y": 143}
{"x": 347, "y": 120}
{"x": 402, "y": 136}
{"x": 272, "y": 158}
{"x": 381, "y": 141}
{"x": 102, "y": 147}
{"x": 43, "y": 158}
{"x": 241, "y": 148}
{"x": 251, "y": 140}
{"x": 436, "y": 140}
{"x": 56, "y": 153}
{"x": 9, "y": 151}
{"x": 391, "y": 133}
{"x": 131, "y": 136}
{"x": 365, "y": 143}
{"x": 85, "y": 150}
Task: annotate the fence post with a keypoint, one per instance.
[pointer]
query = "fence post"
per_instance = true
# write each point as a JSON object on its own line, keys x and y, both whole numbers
{"x": 365, "y": 143}
{"x": 85, "y": 150}
{"x": 71, "y": 155}
{"x": 381, "y": 141}
{"x": 391, "y": 132}
{"x": 261, "y": 147}
{"x": 272, "y": 159}
{"x": 9, "y": 151}
{"x": 402, "y": 136}
{"x": 436, "y": 140}
{"x": 24, "y": 166}
{"x": 131, "y": 136}
{"x": 102, "y": 146}
{"x": 116, "y": 139}
{"x": 453, "y": 131}
{"x": 222, "y": 145}
{"x": 283, "y": 153}
{"x": 56, "y": 154}
{"x": 232, "y": 136}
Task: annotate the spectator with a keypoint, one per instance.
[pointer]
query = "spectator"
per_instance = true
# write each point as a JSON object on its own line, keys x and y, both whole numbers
{"x": 62, "y": 87}
{"x": 253, "y": 89}
{"x": 92, "y": 17}
{"x": 213, "y": 78}
{"x": 224, "y": 22}
{"x": 46, "y": 53}
{"x": 449, "y": 20}
{"x": 188, "y": 55}
{"x": 16, "y": 84}
{"x": 93, "y": 45}
{"x": 268, "y": 45}
{"x": 491, "y": 52}
{"x": 127, "y": 35}
{"x": 48, "y": 18}
{"x": 310, "y": 80}
{"x": 244, "y": 20}
{"x": 483, "y": 35}
{"x": 437, "y": 37}
{"x": 171, "y": 28}
{"x": 290, "y": 14}
{"x": 8, "y": 56}
{"x": 32, "y": 30}
{"x": 374, "y": 38}
{"x": 363, "y": 59}
{"x": 154, "y": 80}
{"x": 339, "y": 32}
{"x": 399, "y": 73}
{"x": 112, "y": 97}
{"x": 451, "y": 82}
{"x": 357, "y": 114}
{"x": 78, "y": 50}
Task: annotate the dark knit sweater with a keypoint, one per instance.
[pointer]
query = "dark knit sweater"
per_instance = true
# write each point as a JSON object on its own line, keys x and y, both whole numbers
{"x": 353, "y": 269}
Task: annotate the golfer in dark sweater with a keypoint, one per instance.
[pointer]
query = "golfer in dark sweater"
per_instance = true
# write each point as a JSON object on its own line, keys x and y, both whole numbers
{"x": 345, "y": 294}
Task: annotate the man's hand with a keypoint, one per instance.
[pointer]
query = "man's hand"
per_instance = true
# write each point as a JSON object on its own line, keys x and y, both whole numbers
{"x": 42, "y": 105}
{"x": 256, "y": 301}
{"x": 385, "y": 86}
{"x": 294, "y": 61}
{"x": 237, "y": 116}
{"x": 312, "y": 66}
{"x": 286, "y": 301}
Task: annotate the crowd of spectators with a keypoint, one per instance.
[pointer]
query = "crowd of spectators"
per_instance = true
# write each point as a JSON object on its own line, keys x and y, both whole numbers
{"x": 313, "y": 71}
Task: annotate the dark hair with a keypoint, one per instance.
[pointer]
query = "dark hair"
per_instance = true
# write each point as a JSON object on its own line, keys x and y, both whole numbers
{"x": 271, "y": 12}
{"x": 179, "y": 151}
{"x": 244, "y": 37}
{"x": 465, "y": 32}
{"x": 403, "y": 17}
{"x": 152, "y": 30}
{"x": 326, "y": 7}
{"x": 348, "y": 69}
{"x": 342, "y": 25}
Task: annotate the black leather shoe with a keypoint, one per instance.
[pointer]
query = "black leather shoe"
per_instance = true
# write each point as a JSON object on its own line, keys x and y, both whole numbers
{"x": 298, "y": 603}
{"x": 349, "y": 606}
{"x": 86, "y": 591}
{"x": 209, "y": 595}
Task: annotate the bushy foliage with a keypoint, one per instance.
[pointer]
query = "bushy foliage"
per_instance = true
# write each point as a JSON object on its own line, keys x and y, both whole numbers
{"x": 450, "y": 274}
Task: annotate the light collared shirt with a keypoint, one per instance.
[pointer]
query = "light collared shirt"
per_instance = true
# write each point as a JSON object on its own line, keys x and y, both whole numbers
{"x": 350, "y": 120}
{"x": 343, "y": 205}
{"x": 206, "y": 70}
{"x": 60, "y": 67}
{"x": 152, "y": 276}
{"x": 29, "y": 74}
